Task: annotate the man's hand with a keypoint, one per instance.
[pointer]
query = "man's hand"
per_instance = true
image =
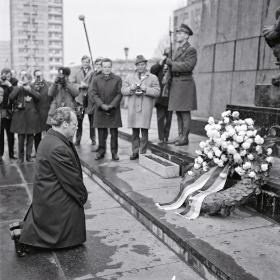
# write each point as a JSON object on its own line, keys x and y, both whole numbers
{"x": 169, "y": 62}
{"x": 133, "y": 87}
{"x": 143, "y": 87}
{"x": 6, "y": 83}
{"x": 105, "y": 107}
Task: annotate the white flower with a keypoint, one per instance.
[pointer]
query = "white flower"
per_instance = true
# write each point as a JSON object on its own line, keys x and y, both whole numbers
{"x": 198, "y": 152}
{"x": 243, "y": 127}
{"x": 218, "y": 141}
{"x": 269, "y": 159}
{"x": 250, "y": 133}
{"x": 231, "y": 149}
{"x": 231, "y": 132}
{"x": 224, "y": 158}
{"x": 199, "y": 160}
{"x": 239, "y": 139}
{"x": 237, "y": 158}
{"x": 259, "y": 140}
{"x": 259, "y": 149}
{"x": 269, "y": 151}
{"x": 202, "y": 145}
{"x": 210, "y": 155}
{"x": 240, "y": 170}
{"x": 247, "y": 165}
{"x": 249, "y": 121}
{"x": 223, "y": 175}
{"x": 218, "y": 127}
{"x": 190, "y": 173}
{"x": 242, "y": 133}
{"x": 264, "y": 167}
{"x": 224, "y": 136}
{"x": 235, "y": 114}
{"x": 252, "y": 174}
{"x": 220, "y": 163}
{"x": 218, "y": 153}
{"x": 250, "y": 157}
{"x": 243, "y": 153}
{"x": 205, "y": 168}
{"x": 216, "y": 160}
{"x": 226, "y": 113}
{"x": 235, "y": 144}
{"x": 226, "y": 120}
{"x": 224, "y": 145}
{"x": 246, "y": 145}
{"x": 211, "y": 120}
{"x": 196, "y": 166}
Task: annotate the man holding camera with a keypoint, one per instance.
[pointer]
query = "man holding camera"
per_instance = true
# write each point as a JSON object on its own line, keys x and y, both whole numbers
{"x": 78, "y": 78}
{"x": 6, "y": 106}
{"x": 43, "y": 105}
{"x": 62, "y": 92}
{"x": 164, "y": 117}
{"x": 141, "y": 88}
{"x": 105, "y": 89}
{"x": 182, "y": 90}
{"x": 26, "y": 119}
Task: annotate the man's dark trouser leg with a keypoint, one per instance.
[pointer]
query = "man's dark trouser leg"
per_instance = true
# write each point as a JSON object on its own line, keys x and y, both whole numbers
{"x": 91, "y": 128}
{"x": 144, "y": 140}
{"x": 168, "y": 120}
{"x": 114, "y": 140}
{"x": 135, "y": 140}
{"x": 186, "y": 117}
{"x": 102, "y": 137}
{"x": 80, "y": 128}
{"x": 29, "y": 145}
{"x": 37, "y": 140}
{"x": 6, "y": 125}
{"x": 21, "y": 140}
{"x": 2, "y": 136}
{"x": 180, "y": 124}
{"x": 160, "y": 121}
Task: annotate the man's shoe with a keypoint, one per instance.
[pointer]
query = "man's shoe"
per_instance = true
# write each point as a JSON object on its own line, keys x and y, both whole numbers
{"x": 13, "y": 157}
{"x": 182, "y": 142}
{"x": 134, "y": 156}
{"x": 99, "y": 156}
{"x": 29, "y": 159}
{"x": 20, "y": 161}
{"x": 160, "y": 141}
{"x": 93, "y": 142}
{"x": 115, "y": 157}
{"x": 77, "y": 143}
{"x": 94, "y": 149}
{"x": 165, "y": 140}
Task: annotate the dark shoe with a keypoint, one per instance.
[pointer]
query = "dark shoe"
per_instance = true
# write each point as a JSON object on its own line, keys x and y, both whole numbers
{"x": 160, "y": 141}
{"x": 93, "y": 142}
{"x": 94, "y": 149}
{"x": 182, "y": 142}
{"x": 29, "y": 159}
{"x": 99, "y": 156}
{"x": 13, "y": 157}
{"x": 134, "y": 156}
{"x": 165, "y": 140}
{"x": 77, "y": 143}
{"x": 20, "y": 161}
{"x": 33, "y": 155}
{"x": 115, "y": 157}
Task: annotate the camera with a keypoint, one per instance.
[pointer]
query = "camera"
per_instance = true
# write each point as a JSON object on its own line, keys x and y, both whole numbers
{"x": 138, "y": 89}
{"x": 60, "y": 79}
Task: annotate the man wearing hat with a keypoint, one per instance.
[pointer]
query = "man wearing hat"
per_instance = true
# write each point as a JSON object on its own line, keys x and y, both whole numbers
{"x": 182, "y": 90}
{"x": 63, "y": 92}
{"x": 141, "y": 88}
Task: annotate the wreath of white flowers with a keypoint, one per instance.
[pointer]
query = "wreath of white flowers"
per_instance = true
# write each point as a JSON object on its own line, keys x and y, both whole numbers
{"x": 235, "y": 142}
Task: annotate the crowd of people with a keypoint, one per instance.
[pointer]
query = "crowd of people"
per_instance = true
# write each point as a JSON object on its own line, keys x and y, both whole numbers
{"x": 27, "y": 104}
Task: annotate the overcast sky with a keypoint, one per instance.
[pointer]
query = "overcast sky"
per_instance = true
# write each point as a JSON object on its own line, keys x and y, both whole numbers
{"x": 111, "y": 24}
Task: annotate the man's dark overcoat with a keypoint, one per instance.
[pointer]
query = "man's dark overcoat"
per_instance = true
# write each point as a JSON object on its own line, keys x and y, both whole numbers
{"x": 183, "y": 91}
{"x": 107, "y": 90}
{"x": 27, "y": 119}
{"x": 56, "y": 216}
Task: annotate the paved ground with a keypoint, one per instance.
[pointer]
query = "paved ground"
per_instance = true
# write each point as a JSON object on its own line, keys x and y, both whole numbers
{"x": 117, "y": 247}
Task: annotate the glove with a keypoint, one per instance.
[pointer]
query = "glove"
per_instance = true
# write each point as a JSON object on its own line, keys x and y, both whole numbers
{"x": 169, "y": 62}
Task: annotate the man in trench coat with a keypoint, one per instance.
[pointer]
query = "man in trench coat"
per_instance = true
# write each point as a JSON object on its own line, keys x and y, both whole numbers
{"x": 182, "y": 90}
{"x": 105, "y": 89}
{"x": 141, "y": 88}
{"x": 56, "y": 216}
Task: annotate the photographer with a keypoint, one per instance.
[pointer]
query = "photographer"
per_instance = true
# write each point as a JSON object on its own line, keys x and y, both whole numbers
{"x": 26, "y": 119}
{"x": 43, "y": 105}
{"x": 6, "y": 85}
{"x": 62, "y": 92}
{"x": 164, "y": 117}
{"x": 141, "y": 88}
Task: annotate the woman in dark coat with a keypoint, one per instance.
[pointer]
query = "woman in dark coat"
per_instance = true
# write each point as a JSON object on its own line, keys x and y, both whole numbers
{"x": 26, "y": 118}
{"x": 56, "y": 217}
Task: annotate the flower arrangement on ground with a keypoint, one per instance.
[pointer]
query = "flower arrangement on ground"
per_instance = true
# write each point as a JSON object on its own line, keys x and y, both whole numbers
{"x": 233, "y": 147}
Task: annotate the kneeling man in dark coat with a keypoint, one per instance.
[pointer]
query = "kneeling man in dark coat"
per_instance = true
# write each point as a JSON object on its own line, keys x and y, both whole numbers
{"x": 56, "y": 216}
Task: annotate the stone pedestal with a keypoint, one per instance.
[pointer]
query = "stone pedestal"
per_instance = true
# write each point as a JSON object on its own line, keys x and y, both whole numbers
{"x": 267, "y": 95}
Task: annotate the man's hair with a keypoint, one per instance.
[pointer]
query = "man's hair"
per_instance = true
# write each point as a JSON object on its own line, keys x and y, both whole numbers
{"x": 106, "y": 60}
{"x": 98, "y": 59}
{"x": 62, "y": 114}
{"x": 36, "y": 70}
{"x": 85, "y": 57}
{"x": 5, "y": 71}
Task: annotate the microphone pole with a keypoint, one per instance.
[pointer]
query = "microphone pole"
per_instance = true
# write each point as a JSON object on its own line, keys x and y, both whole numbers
{"x": 82, "y": 18}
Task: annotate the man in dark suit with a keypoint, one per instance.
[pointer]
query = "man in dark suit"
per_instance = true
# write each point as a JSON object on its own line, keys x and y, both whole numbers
{"x": 105, "y": 89}
{"x": 56, "y": 216}
{"x": 182, "y": 90}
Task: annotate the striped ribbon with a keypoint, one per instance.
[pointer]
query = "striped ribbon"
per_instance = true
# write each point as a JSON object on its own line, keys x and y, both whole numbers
{"x": 190, "y": 189}
{"x": 197, "y": 199}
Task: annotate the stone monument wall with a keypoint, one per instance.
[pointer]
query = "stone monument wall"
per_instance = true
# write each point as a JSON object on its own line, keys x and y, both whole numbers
{"x": 232, "y": 54}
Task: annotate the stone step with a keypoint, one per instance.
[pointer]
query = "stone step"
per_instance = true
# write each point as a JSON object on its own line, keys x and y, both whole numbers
{"x": 266, "y": 203}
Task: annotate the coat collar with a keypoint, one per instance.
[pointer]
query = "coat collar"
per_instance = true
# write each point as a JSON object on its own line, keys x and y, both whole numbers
{"x": 60, "y": 136}
{"x": 110, "y": 76}
{"x": 181, "y": 49}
